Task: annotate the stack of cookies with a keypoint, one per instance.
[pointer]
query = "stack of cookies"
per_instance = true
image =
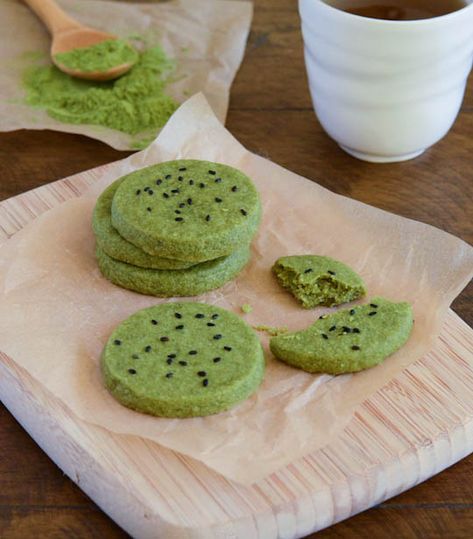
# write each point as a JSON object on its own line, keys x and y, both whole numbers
{"x": 179, "y": 228}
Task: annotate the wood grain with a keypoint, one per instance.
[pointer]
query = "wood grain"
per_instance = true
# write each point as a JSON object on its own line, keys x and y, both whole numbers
{"x": 271, "y": 114}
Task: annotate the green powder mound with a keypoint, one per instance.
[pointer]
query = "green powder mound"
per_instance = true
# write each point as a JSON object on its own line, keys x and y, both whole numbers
{"x": 100, "y": 57}
{"x": 246, "y": 308}
{"x": 134, "y": 103}
{"x": 349, "y": 340}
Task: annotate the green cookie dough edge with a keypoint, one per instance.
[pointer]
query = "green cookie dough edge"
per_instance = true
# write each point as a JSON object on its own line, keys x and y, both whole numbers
{"x": 110, "y": 241}
{"x": 173, "y": 283}
{"x": 218, "y": 400}
{"x": 309, "y": 350}
{"x": 316, "y": 280}
{"x": 207, "y": 245}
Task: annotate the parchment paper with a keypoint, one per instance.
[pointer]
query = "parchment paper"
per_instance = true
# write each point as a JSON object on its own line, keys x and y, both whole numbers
{"x": 57, "y": 311}
{"x": 206, "y": 38}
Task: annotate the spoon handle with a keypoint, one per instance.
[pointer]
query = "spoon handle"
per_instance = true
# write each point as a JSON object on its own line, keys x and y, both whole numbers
{"x": 52, "y": 15}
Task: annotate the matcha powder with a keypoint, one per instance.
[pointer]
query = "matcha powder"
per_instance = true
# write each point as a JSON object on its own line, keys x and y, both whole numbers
{"x": 135, "y": 103}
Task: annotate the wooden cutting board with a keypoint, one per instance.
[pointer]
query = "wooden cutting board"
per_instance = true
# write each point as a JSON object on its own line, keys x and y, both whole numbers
{"x": 414, "y": 427}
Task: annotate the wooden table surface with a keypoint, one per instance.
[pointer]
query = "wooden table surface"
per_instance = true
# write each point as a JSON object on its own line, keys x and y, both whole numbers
{"x": 271, "y": 114}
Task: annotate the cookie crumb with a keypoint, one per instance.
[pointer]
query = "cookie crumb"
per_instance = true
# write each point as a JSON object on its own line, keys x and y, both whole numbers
{"x": 271, "y": 331}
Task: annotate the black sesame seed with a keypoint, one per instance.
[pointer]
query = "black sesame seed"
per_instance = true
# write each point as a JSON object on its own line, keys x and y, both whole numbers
{"x": 356, "y": 330}
{"x": 347, "y": 329}
{"x": 180, "y": 178}
{"x": 200, "y": 315}
{"x": 132, "y": 371}
{"x": 189, "y": 201}
{"x": 218, "y": 336}
{"x": 333, "y": 328}
{"x": 154, "y": 322}
{"x": 243, "y": 212}
{"x": 182, "y": 205}
{"x": 159, "y": 182}
{"x": 218, "y": 180}
{"x": 169, "y": 361}
{"x": 183, "y": 363}
{"x": 210, "y": 324}
{"x": 165, "y": 195}
{"x": 118, "y": 342}
{"x": 372, "y": 313}
{"x": 135, "y": 356}
{"x": 308, "y": 270}
{"x": 182, "y": 169}
{"x": 323, "y": 317}
{"x": 192, "y": 352}
{"x": 146, "y": 189}
{"x": 179, "y": 219}
{"x": 171, "y": 356}
{"x": 138, "y": 191}
{"x": 148, "y": 209}
{"x": 178, "y": 315}
{"x": 150, "y": 192}
{"x": 164, "y": 339}
{"x": 205, "y": 382}
{"x": 324, "y": 336}
{"x": 207, "y": 218}
{"x": 217, "y": 359}
{"x": 373, "y": 305}
{"x": 202, "y": 373}
{"x": 330, "y": 272}
{"x": 352, "y": 312}
{"x": 169, "y": 375}
{"x": 178, "y": 212}
{"x": 218, "y": 199}
{"x": 227, "y": 348}
{"x": 175, "y": 191}
{"x": 191, "y": 182}
{"x": 355, "y": 347}
{"x": 167, "y": 176}
{"x": 148, "y": 348}
{"x": 234, "y": 189}
{"x": 181, "y": 326}
{"x": 212, "y": 172}
{"x": 214, "y": 316}
{"x": 201, "y": 185}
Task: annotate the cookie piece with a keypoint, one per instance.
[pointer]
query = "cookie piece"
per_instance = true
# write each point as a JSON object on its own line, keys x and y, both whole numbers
{"x": 318, "y": 280}
{"x": 189, "y": 210}
{"x": 110, "y": 241}
{"x": 349, "y": 340}
{"x": 182, "y": 360}
{"x": 168, "y": 283}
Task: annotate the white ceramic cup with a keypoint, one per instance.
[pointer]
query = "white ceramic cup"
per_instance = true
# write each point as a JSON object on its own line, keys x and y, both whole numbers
{"x": 386, "y": 90}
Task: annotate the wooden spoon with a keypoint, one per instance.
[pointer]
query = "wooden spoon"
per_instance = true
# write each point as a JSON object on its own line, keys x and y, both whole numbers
{"x": 68, "y": 34}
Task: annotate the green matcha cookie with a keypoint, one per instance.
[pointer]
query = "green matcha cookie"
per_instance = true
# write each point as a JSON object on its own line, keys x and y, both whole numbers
{"x": 189, "y": 210}
{"x": 110, "y": 241}
{"x": 318, "y": 280}
{"x": 349, "y": 340}
{"x": 168, "y": 283}
{"x": 182, "y": 360}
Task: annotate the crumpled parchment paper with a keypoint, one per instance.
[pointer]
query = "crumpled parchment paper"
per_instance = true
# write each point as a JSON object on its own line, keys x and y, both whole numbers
{"x": 57, "y": 311}
{"x": 206, "y": 38}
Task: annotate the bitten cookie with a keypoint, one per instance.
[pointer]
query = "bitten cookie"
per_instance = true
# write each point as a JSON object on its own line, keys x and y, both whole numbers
{"x": 188, "y": 210}
{"x": 110, "y": 241}
{"x": 182, "y": 360}
{"x": 349, "y": 340}
{"x": 318, "y": 280}
{"x": 168, "y": 283}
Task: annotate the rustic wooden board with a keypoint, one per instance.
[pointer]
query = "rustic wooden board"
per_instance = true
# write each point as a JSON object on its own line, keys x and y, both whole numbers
{"x": 417, "y": 425}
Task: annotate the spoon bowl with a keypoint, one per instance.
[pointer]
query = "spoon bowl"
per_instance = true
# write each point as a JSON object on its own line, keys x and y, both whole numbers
{"x": 68, "y": 35}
